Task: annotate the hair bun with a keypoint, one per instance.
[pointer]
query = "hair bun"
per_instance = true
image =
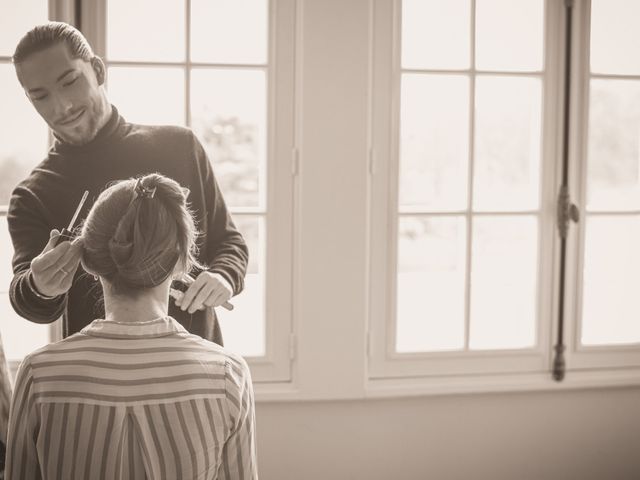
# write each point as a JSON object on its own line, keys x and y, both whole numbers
{"x": 120, "y": 252}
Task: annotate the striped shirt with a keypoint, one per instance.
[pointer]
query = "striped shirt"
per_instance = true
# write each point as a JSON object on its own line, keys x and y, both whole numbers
{"x": 5, "y": 394}
{"x": 132, "y": 401}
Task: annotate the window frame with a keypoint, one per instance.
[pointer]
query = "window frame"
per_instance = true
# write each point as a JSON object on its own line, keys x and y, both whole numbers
{"x": 63, "y": 11}
{"x": 277, "y": 211}
{"x": 476, "y": 371}
{"x": 384, "y": 361}
{"x": 279, "y": 206}
{"x": 358, "y": 345}
{"x": 582, "y": 357}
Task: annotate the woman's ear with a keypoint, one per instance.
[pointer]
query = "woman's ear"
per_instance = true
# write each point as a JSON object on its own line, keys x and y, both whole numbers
{"x": 99, "y": 69}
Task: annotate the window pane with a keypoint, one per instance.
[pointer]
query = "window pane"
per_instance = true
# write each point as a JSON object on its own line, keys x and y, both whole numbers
{"x": 228, "y": 113}
{"x": 23, "y": 134}
{"x": 610, "y": 301}
{"x": 434, "y": 135}
{"x": 615, "y": 38}
{"x": 613, "y": 176}
{"x": 146, "y": 30}
{"x": 19, "y": 336}
{"x": 229, "y": 31}
{"x": 503, "y": 282}
{"x": 509, "y": 35}
{"x": 435, "y": 34}
{"x": 431, "y": 282}
{"x": 148, "y": 95}
{"x": 507, "y": 144}
{"x": 243, "y": 328}
{"x": 17, "y": 18}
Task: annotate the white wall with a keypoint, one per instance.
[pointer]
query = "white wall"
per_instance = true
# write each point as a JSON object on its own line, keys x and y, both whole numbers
{"x": 582, "y": 435}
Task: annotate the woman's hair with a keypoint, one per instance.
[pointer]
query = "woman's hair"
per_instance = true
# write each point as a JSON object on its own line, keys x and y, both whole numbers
{"x": 51, "y": 33}
{"x": 138, "y": 232}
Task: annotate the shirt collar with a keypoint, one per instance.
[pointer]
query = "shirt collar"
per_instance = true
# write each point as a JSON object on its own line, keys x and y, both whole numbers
{"x": 158, "y": 327}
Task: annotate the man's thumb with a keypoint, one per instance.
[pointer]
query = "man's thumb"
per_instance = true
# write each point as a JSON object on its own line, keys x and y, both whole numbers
{"x": 53, "y": 235}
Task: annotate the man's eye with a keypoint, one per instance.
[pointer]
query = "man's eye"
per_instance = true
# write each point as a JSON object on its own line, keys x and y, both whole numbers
{"x": 70, "y": 82}
{"x": 37, "y": 99}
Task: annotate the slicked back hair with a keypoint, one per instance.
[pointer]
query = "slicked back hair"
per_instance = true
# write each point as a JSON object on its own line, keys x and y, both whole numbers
{"x": 49, "y": 34}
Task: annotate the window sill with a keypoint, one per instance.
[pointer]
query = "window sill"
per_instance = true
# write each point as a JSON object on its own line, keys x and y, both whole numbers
{"x": 476, "y": 384}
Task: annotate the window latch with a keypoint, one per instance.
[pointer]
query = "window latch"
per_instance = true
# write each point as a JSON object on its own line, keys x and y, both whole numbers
{"x": 567, "y": 211}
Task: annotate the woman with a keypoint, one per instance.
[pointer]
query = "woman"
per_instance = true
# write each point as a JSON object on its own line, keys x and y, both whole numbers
{"x": 134, "y": 395}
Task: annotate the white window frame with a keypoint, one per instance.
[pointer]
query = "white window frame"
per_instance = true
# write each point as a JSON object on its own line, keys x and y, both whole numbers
{"x": 275, "y": 365}
{"x": 581, "y": 357}
{"x": 390, "y": 373}
{"x": 63, "y": 11}
{"x": 333, "y": 344}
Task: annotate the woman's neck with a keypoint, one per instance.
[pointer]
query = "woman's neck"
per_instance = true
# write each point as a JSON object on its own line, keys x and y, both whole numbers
{"x": 148, "y": 305}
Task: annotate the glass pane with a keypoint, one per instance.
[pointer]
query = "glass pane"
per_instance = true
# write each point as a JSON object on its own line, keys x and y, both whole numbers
{"x": 509, "y": 35}
{"x": 615, "y": 38}
{"x": 435, "y": 34}
{"x": 507, "y": 143}
{"x": 23, "y": 134}
{"x": 148, "y": 95}
{"x": 610, "y": 301}
{"x": 434, "y": 132}
{"x": 146, "y": 30}
{"x": 503, "y": 282}
{"x": 431, "y": 283}
{"x": 613, "y": 174}
{"x": 229, "y": 31}
{"x": 229, "y": 114}
{"x": 243, "y": 328}
{"x": 19, "y": 336}
{"x": 17, "y": 18}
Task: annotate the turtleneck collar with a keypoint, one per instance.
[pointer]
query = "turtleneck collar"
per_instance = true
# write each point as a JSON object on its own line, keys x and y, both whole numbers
{"x": 107, "y": 132}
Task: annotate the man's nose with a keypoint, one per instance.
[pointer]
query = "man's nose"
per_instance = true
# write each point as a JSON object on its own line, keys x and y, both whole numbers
{"x": 62, "y": 106}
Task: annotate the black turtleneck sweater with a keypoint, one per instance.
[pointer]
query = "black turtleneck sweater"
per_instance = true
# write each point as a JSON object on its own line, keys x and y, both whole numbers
{"x": 49, "y": 196}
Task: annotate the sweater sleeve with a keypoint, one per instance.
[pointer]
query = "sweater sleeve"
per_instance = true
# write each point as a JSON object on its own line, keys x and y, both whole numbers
{"x": 227, "y": 252}
{"x": 29, "y": 234}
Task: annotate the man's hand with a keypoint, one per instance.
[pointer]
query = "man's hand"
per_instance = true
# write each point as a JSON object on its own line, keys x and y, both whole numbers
{"x": 207, "y": 290}
{"x": 53, "y": 270}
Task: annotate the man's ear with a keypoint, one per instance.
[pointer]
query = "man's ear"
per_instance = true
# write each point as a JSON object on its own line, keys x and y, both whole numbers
{"x": 98, "y": 67}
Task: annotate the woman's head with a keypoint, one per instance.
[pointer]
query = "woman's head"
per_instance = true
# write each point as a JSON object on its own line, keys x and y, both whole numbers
{"x": 139, "y": 233}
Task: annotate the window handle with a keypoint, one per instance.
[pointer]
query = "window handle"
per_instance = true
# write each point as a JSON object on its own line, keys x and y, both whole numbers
{"x": 567, "y": 211}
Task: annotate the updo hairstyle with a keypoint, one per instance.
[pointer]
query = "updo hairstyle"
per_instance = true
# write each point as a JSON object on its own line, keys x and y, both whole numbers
{"x": 138, "y": 232}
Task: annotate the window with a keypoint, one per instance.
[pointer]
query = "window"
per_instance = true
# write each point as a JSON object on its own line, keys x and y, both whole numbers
{"x": 199, "y": 64}
{"x": 438, "y": 269}
{"x": 607, "y": 171}
{"x": 23, "y": 144}
{"x": 465, "y": 249}
{"x": 209, "y": 66}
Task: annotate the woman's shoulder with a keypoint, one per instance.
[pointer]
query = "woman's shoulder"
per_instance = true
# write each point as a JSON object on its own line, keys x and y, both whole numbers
{"x": 70, "y": 343}
{"x": 214, "y": 353}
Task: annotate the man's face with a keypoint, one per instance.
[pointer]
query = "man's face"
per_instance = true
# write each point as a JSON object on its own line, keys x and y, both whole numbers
{"x": 66, "y": 92}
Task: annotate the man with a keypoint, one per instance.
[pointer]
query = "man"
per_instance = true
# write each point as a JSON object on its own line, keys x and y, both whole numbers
{"x": 93, "y": 146}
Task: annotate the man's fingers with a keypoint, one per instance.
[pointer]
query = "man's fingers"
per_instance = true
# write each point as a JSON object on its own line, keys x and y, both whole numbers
{"x": 53, "y": 237}
{"x": 190, "y": 294}
{"x": 69, "y": 260}
{"x": 218, "y": 297}
{"x": 198, "y": 301}
{"x": 51, "y": 256}
{"x": 71, "y": 264}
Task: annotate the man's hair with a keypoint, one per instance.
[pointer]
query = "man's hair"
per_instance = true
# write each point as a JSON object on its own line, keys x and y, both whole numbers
{"x": 139, "y": 231}
{"x": 49, "y": 34}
